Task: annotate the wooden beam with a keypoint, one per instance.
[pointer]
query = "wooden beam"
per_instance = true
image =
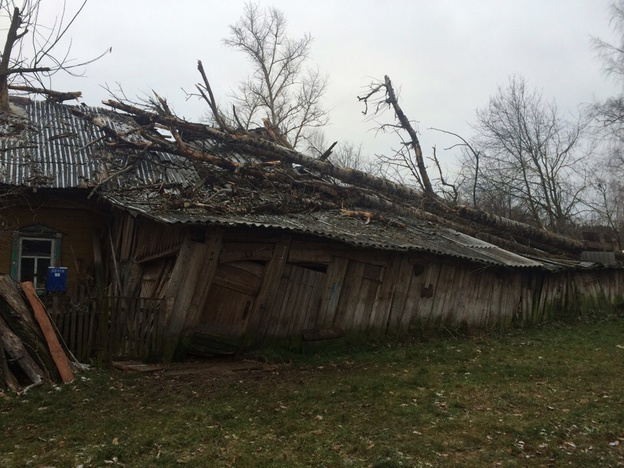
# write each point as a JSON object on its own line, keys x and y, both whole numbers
{"x": 58, "y": 354}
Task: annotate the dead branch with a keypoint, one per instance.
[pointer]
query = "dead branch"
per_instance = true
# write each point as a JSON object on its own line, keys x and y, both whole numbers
{"x": 476, "y": 155}
{"x": 210, "y": 99}
{"x": 404, "y": 124}
{"x": 328, "y": 152}
{"x": 52, "y": 96}
{"x": 436, "y": 161}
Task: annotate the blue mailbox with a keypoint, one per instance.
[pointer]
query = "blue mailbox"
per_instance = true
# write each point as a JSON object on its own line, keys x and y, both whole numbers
{"x": 56, "y": 280}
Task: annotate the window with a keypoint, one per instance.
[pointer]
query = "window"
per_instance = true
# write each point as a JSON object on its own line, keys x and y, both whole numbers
{"x": 35, "y": 248}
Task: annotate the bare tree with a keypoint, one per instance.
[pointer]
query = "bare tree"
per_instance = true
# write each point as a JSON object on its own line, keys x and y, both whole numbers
{"x": 282, "y": 93}
{"x": 530, "y": 157}
{"x": 28, "y": 65}
{"x": 610, "y": 113}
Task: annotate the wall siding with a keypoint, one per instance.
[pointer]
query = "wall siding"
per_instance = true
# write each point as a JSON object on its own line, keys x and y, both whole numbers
{"x": 77, "y": 224}
{"x": 299, "y": 283}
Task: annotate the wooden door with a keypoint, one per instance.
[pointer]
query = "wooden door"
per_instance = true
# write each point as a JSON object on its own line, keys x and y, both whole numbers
{"x": 231, "y": 298}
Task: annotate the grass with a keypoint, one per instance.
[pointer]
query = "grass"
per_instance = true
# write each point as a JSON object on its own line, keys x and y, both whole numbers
{"x": 545, "y": 397}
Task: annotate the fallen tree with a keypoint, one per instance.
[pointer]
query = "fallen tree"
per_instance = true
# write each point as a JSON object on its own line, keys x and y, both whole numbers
{"x": 337, "y": 181}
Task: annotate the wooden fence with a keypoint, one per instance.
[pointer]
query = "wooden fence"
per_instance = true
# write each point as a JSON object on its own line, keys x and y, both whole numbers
{"x": 111, "y": 328}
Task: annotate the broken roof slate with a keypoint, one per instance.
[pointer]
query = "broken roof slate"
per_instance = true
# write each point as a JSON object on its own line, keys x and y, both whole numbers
{"x": 420, "y": 237}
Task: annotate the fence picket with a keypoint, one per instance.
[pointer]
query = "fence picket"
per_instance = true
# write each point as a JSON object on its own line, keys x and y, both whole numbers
{"x": 111, "y": 328}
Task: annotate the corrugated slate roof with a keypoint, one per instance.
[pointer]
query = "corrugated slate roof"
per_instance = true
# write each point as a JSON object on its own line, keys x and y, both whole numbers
{"x": 414, "y": 237}
{"x": 47, "y": 145}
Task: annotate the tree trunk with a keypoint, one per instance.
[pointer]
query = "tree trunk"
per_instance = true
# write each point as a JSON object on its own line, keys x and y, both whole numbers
{"x": 12, "y": 36}
{"x": 16, "y": 350}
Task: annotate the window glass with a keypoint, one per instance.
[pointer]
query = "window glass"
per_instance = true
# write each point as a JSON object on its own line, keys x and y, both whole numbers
{"x": 35, "y": 258}
{"x": 27, "y": 270}
{"x": 32, "y": 247}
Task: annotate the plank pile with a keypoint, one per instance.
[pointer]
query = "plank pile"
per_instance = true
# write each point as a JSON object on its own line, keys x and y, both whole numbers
{"x": 30, "y": 352}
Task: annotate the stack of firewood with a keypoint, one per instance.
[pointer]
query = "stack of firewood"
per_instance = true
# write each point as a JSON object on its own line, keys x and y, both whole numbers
{"x": 30, "y": 351}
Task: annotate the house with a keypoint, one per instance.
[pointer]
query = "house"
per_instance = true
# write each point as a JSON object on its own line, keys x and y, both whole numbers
{"x": 250, "y": 250}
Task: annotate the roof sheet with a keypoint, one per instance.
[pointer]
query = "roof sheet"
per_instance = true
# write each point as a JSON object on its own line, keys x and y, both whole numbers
{"x": 50, "y": 146}
{"x": 414, "y": 237}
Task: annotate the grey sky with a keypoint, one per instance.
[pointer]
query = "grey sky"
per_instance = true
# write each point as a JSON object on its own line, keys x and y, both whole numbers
{"x": 446, "y": 57}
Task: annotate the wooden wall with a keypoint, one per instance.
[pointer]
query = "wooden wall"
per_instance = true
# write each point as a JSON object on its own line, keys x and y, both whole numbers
{"x": 262, "y": 285}
{"x": 78, "y": 223}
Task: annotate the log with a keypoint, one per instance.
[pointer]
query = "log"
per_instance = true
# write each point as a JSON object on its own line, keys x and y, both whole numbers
{"x": 58, "y": 354}
{"x": 7, "y": 379}
{"x": 53, "y": 96}
{"x": 17, "y": 307}
{"x": 16, "y": 312}
{"x": 16, "y": 350}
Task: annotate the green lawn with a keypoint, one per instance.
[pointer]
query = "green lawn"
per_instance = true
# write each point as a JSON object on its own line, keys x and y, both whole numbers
{"x": 547, "y": 397}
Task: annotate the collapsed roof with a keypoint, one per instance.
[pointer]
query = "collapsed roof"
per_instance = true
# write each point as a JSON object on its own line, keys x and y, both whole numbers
{"x": 175, "y": 171}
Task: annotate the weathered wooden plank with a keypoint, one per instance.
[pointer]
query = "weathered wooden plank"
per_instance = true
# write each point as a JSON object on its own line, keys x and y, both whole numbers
{"x": 16, "y": 350}
{"x": 314, "y": 306}
{"x": 151, "y": 277}
{"x": 310, "y": 252}
{"x": 438, "y": 290}
{"x": 209, "y": 252}
{"x": 312, "y": 283}
{"x": 412, "y": 301}
{"x": 375, "y": 257}
{"x": 382, "y": 303}
{"x": 510, "y": 298}
{"x": 165, "y": 275}
{"x": 332, "y": 290}
{"x": 402, "y": 284}
{"x": 363, "y": 307}
{"x": 197, "y": 261}
{"x": 290, "y": 306}
{"x": 348, "y": 298}
{"x": 165, "y": 253}
{"x": 411, "y": 298}
{"x": 58, "y": 354}
{"x": 18, "y": 309}
{"x": 239, "y": 276}
{"x": 227, "y": 311}
{"x": 281, "y": 296}
{"x": 238, "y": 251}
{"x": 293, "y": 321}
{"x": 126, "y": 249}
{"x": 426, "y": 289}
{"x": 256, "y": 327}
{"x": 477, "y": 313}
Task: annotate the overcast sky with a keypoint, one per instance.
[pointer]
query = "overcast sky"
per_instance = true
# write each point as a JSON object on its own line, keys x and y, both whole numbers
{"x": 447, "y": 57}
